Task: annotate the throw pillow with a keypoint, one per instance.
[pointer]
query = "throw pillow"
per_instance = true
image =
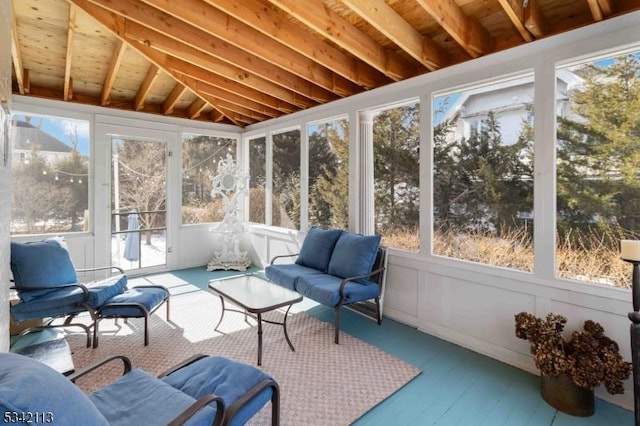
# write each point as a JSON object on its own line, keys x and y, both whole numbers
{"x": 354, "y": 255}
{"x": 317, "y": 248}
{"x": 44, "y": 263}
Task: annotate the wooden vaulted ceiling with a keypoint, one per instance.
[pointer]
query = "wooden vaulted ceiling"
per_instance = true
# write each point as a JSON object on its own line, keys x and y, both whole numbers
{"x": 246, "y": 61}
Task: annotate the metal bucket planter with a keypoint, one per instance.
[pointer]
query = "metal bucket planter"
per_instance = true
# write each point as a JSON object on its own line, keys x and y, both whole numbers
{"x": 564, "y": 395}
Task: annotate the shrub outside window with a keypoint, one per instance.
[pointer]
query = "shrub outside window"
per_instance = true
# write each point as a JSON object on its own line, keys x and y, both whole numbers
{"x": 597, "y": 174}
{"x": 286, "y": 180}
{"x": 200, "y": 157}
{"x": 483, "y": 174}
{"x": 49, "y": 175}
{"x": 329, "y": 174}
{"x": 396, "y": 150}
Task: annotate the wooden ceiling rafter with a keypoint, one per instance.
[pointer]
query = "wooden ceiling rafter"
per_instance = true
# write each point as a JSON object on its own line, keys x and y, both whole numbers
{"x": 600, "y": 9}
{"x": 68, "y": 81}
{"x": 194, "y": 50}
{"x": 115, "y": 24}
{"x": 465, "y": 30}
{"x": 244, "y": 45}
{"x": 16, "y": 56}
{"x": 384, "y": 19}
{"x": 534, "y": 19}
{"x": 268, "y": 22}
{"x": 112, "y": 72}
{"x": 195, "y": 108}
{"x": 152, "y": 74}
{"x": 515, "y": 11}
{"x": 170, "y": 101}
{"x": 334, "y": 27}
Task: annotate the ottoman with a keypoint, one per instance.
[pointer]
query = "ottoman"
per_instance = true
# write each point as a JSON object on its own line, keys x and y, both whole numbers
{"x": 135, "y": 302}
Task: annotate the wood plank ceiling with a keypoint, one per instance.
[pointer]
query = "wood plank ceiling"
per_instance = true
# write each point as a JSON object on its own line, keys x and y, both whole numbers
{"x": 246, "y": 61}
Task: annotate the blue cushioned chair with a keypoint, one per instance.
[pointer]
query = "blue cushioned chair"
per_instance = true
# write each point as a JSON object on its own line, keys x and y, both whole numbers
{"x": 47, "y": 285}
{"x": 201, "y": 390}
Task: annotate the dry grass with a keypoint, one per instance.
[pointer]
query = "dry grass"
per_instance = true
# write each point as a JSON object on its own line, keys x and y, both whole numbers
{"x": 592, "y": 257}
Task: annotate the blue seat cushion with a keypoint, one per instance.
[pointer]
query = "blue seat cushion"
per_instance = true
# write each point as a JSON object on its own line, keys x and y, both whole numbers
{"x": 285, "y": 275}
{"x": 226, "y": 378}
{"x": 317, "y": 248}
{"x": 29, "y": 386}
{"x": 44, "y": 263}
{"x": 149, "y": 297}
{"x": 54, "y": 304}
{"x": 140, "y": 399}
{"x": 354, "y": 255}
{"x": 325, "y": 289}
{"x": 69, "y": 300}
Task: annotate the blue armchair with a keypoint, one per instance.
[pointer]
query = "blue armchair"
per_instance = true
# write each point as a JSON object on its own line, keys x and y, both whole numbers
{"x": 202, "y": 390}
{"x": 47, "y": 285}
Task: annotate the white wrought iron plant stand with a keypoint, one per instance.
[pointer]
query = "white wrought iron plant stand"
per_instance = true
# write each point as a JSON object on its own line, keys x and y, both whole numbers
{"x": 231, "y": 184}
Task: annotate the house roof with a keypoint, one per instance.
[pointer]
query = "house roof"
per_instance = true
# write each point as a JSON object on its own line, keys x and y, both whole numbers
{"x": 27, "y": 136}
{"x": 243, "y": 62}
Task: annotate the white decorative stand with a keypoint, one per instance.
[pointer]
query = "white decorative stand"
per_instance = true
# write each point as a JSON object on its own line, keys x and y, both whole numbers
{"x": 230, "y": 183}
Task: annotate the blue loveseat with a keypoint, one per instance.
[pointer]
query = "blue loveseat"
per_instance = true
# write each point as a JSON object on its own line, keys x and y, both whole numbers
{"x": 335, "y": 268}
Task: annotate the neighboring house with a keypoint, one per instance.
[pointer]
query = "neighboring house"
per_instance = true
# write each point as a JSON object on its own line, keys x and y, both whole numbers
{"x": 509, "y": 100}
{"x": 26, "y": 136}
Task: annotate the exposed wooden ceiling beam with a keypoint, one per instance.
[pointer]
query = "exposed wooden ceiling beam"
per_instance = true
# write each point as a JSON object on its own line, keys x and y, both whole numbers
{"x": 239, "y": 44}
{"x": 515, "y": 12}
{"x": 196, "y": 108}
{"x": 384, "y": 19}
{"x": 145, "y": 87}
{"x": 16, "y": 54}
{"x": 170, "y": 102}
{"x": 229, "y": 62}
{"x": 115, "y": 24}
{"x": 112, "y": 72}
{"x": 465, "y": 30}
{"x": 607, "y": 6}
{"x": 534, "y": 20}
{"x": 600, "y": 9}
{"x": 334, "y": 27}
{"x": 71, "y": 27}
{"x": 270, "y": 23}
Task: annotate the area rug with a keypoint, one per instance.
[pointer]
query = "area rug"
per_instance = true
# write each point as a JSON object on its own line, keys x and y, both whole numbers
{"x": 321, "y": 383}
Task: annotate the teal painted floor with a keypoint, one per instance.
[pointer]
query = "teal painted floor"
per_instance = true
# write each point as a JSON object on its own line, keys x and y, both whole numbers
{"x": 457, "y": 386}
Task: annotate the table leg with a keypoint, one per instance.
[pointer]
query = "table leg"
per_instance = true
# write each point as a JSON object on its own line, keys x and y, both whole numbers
{"x": 284, "y": 325}
{"x": 259, "y": 339}
{"x": 221, "y": 314}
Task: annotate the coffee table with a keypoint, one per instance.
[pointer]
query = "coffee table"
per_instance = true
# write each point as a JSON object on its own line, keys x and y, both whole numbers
{"x": 255, "y": 296}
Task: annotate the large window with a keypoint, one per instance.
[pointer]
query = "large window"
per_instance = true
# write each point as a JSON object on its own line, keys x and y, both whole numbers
{"x": 285, "y": 208}
{"x": 200, "y": 157}
{"x": 258, "y": 179}
{"x": 329, "y": 174}
{"x": 49, "y": 175}
{"x": 483, "y": 181}
{"x": 598, "y": 173}
{"x": 396, "y": 147}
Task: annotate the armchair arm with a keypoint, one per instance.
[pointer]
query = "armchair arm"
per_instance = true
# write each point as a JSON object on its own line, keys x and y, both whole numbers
{"x": 251, "y": 393}
{"x": 282, "y": 256}
{"x": 125, "y": 361}
{"x": 182, "y": 364}
{"x": 353, "y": 280}
{"x": 199, "y": 405}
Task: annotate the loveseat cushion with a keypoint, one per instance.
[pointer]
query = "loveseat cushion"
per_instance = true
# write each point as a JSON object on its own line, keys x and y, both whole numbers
{"x": 44, "y": 263}
{"x": 285, "y": 275}
{"x": 138, "y": 398}
{"x": 354, "y": 255}
{"x": 226, "y": 378}
{"x": 317, "y": 248}
{"x": 325, "y": 289}
{"x": 29, "y": 386}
